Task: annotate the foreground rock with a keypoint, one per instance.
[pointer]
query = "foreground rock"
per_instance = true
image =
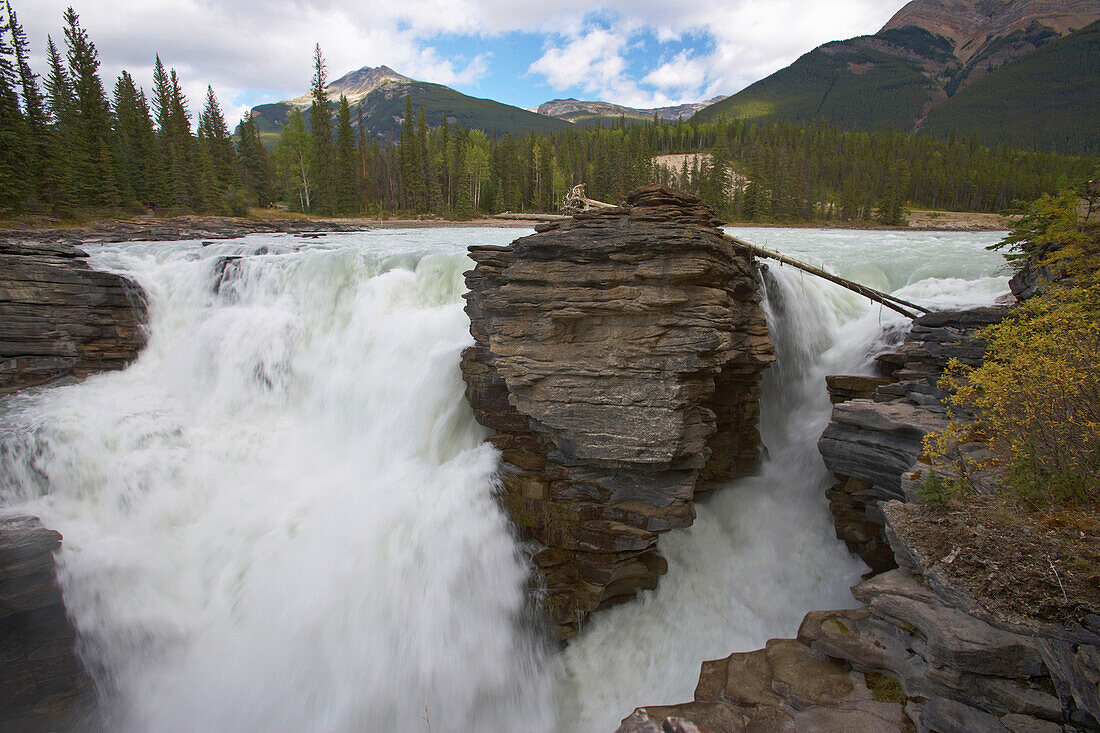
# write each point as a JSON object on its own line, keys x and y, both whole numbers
{"x": 60, "y": 318}
{"x": 618, "y": 360}
{"x": 42, "y": 684}
{"x": 874, "y": 438}
{"x": 919, "y": 654}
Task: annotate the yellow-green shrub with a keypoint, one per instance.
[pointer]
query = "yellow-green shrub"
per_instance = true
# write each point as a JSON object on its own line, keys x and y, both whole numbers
{"x": 1036, "y": 396}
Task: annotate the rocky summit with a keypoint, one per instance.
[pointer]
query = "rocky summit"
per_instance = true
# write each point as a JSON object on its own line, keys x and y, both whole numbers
{"x": 618, "y": 359}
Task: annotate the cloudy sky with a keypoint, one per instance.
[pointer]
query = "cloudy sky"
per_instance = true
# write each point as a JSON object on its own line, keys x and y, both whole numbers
{"x": 642, "y": 53}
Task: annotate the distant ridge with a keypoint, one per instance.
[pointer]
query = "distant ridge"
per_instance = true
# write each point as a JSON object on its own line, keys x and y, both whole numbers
{"x": 933, "y": 51}
{"x": 576, "y": 110}
{"x": 377, "y": 95}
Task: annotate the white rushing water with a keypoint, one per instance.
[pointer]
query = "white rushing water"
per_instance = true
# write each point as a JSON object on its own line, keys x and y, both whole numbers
{"x": 281, "y": 517}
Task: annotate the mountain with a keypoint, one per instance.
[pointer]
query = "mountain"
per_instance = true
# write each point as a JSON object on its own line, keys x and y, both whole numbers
{"x": 1047, "y": 100}
{"x": 378, "y": 98}
{"x": 580, "y": 111}
{"x": 932, "y": 52}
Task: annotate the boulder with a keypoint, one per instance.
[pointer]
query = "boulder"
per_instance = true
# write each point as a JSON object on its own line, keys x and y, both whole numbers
{"x": 618, "y": 359}
{"x": 60, "y": 318}
{"x": 43, "y": 686}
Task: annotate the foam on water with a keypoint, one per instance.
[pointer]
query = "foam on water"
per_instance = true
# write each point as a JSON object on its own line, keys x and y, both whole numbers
{"x": 281, "y": 517}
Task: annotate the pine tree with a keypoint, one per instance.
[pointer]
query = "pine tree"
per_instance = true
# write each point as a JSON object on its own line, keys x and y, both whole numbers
{"x": 412, "y": 183}
{"x": 253, "y": 165}
{"x": 93, "y": 179}
{"x": 127, "y": 140}
{"x": 320, "y": 119}
{"x": 219, "y": 143}
{"x": 14, "y": 137}
{"x": 37, "y": 134}
{"x": 347, "y": 201}
{"x": 182, "y": 164}
{"x": 425, "y": 172}
{"x": 59, "y": 108}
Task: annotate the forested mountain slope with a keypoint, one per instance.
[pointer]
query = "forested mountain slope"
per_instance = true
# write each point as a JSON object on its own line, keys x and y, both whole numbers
{"x": 932, "y": 51}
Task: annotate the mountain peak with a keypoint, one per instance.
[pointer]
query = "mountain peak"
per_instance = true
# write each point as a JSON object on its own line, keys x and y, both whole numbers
{"x": 971, "y": 23}
{"x": 356, "y": 84}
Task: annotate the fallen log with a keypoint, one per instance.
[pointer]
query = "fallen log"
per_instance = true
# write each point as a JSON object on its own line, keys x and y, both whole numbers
{"x": 577, "y": 202}
{"x": 890, "y": 301}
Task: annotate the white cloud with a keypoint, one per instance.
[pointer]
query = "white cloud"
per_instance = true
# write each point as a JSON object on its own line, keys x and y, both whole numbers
{"x": 252, "y": 52}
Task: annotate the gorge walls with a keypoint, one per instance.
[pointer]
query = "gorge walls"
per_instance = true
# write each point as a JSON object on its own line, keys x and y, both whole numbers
{"x": 618, "y": 360}
{"x": 60, "y": 318}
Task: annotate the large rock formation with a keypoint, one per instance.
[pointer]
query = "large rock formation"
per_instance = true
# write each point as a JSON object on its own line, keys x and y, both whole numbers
{"x": 59, "y": 317}
{"x": 873, "y": 441}
{"x": 618, "y": 359}
{"x": 42, "y": 684}
{"x": 918, "y": 655}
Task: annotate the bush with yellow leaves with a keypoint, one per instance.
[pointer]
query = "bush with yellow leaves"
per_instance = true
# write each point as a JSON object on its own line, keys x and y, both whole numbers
{"x": 1036, "y": 396}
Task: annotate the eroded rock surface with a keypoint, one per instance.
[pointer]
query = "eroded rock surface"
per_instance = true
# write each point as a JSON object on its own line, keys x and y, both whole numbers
{"x": 42, "y": 684}
{"x": 618, "y": 359}
{"x": 876, "y": 433}
{"x": 917, "y": 655}
{"x": 59, "y": 317}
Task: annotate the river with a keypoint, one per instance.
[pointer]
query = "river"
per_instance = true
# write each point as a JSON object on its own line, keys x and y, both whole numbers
{"x": 281, "y": 516}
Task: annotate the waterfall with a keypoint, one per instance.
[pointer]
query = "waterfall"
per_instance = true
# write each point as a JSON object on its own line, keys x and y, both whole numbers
{"x": 282, "y": 516}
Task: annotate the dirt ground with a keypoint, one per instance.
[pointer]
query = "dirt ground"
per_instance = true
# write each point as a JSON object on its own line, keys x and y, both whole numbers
{"x": 1020, "y": 565}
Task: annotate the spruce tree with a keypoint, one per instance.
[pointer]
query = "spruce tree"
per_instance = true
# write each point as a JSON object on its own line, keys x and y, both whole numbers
{"x": 215, "y": 135}
{"x": 184, "y": 174}
{"x": 320, "y": 120}
{"x": 37, "y": 134}
{"x": 59, "y": 109}
{"x": 13, "y": 131}
{"x": 93, "y": 178}
{"x": 253, "y": 165}
{"x": 347, "y": 200}
{"x": 410, "y": 166}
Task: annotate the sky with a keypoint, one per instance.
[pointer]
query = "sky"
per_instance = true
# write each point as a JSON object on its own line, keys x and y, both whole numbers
{"x": 640, "y": 53}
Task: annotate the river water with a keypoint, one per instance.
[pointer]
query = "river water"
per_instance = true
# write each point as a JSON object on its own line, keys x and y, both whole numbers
{"x": 281, "y": 516}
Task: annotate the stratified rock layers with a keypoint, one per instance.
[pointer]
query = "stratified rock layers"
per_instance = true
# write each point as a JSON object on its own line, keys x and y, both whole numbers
{"x": 59, "y": 317}
{"x": 42, "y": 685}
{"x": 618, "y": 358}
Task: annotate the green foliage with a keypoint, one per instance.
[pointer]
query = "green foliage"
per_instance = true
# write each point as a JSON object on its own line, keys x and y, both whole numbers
{"x": 848, "y": 84}
{"x": 320, "y": 133}
{"x": 1037, "y": 393}
{"x": 937, "y": 491}
{"x": 1046, "y": 100}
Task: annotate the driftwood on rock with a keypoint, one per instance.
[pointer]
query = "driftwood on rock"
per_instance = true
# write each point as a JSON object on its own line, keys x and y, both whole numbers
{"x": 576, "y": 202}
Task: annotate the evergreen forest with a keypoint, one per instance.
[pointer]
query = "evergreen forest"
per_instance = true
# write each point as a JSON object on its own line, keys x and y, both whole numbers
{"x": 68, "y": 148}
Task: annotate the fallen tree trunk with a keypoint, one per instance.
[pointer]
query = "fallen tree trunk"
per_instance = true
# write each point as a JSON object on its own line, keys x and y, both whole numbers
{"x": 890, "y": 301}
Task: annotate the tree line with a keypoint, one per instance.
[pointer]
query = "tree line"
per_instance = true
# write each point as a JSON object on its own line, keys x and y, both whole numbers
{"x": 66, "y": 147}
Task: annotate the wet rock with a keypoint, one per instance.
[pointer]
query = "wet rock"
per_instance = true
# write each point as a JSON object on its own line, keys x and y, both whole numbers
{"x": 60, "y": 318}
{"x": 43, "y": 686}
{"x": 874, "y": 441}
{"x": 618, "y": 359}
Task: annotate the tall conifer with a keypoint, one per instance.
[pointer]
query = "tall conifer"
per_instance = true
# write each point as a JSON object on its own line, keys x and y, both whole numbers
{"x": 93, "y": 175}
{"x": 320, "y": 120}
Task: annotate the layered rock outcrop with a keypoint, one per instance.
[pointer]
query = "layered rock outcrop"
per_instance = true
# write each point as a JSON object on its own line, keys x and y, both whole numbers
{"x": 872, "y": 442}
{"x": 618, "y": 359}
{"x": 918, "y": 655}
{"x": 59, "y": 317}
{"x": 42, "y": 684}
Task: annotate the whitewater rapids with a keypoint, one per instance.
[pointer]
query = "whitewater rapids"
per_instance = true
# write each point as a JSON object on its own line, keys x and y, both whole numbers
{"x": 281, "y": 516}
